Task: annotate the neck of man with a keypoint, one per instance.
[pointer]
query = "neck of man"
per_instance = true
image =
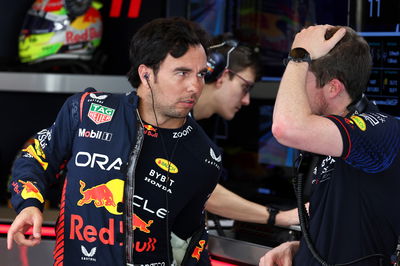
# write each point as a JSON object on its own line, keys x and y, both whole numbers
{"x": 152, "y": 116}
{"x": 339, "y": 105}
{"x": 204, "y": 107}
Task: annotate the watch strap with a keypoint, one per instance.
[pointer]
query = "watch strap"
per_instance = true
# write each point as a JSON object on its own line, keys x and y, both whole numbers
{"x": 298, "y": 55}
{"x": 272, "y": 215}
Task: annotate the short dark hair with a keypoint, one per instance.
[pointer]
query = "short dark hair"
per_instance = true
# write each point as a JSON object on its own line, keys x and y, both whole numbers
{"x": 350, "y": 61}
{"x": 242, "y": 57}
{"x": 155, "y": 40}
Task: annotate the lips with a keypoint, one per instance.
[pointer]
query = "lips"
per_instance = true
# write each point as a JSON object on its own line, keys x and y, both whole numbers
{"x": 188, "y": 103}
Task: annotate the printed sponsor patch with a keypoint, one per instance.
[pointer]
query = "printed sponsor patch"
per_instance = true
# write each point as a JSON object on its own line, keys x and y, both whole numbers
{"x": 106, "y": 195}
{"x": 215, "y": 160}
{"x": 150, "y": 130}
{"x": 101, "y": 135}
{"x": 166, "y": 165}
{"x": 139, "y": 223}
{"x": 88, "y": 256}
{"x": 30, "y": 191}
{"x": 212, "y": 154}
{"x": 182, "y": 133}
{"x": 198, "y": 249}
{"x": 359, "y": 122}
{"x": 100, "y": 114}
{"x": 97, "y": 160}
{"x": 99, "y": 97}
{"x": 35, "y": 150}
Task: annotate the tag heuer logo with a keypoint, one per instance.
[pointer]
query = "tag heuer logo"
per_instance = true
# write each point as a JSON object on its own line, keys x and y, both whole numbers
{"x": 100, "y": 114}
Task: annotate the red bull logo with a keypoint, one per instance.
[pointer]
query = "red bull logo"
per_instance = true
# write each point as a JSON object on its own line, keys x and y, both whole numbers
{"x": 85, "y": 36}
{"x": 30, "y": 191}
{"x": 15, "y": 187}
{"x": 103, "y": 195}
{"x": 89, "y": 233}
{"x": 150, "y": 128}
{"x": 140, "y": 224}
{"x": 148, "y": 246}
{"x": 35, "y": 150}
{"x": 106, "y": 235}
{"x": 150, "y": 131}
{"x": 198, "y": 249}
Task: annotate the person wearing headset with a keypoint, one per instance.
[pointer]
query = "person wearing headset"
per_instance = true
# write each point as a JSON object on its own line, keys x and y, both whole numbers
{"x": 232, "y": 71}
{"x": 139, "y": 168}
{"x": 320, "y": 108}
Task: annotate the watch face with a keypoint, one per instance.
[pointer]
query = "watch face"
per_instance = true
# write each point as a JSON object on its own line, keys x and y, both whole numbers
{"x": 298, "y": 53}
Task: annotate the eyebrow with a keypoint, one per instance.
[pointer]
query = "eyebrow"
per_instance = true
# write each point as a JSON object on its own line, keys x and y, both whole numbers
{"x": 185, "y": 69}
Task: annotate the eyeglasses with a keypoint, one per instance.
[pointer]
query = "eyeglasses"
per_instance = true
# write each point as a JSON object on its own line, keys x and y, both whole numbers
{"x": 247, "y": 86}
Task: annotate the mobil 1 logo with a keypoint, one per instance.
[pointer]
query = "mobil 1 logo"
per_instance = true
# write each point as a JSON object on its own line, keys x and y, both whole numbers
{"x": 92, "y": 134}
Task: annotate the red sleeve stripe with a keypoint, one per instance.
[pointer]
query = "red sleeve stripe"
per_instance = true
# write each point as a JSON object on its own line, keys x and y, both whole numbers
{"x": 81, "y": 104}
{"x": 58, "y": 253}
{"x": 347, "y": 134}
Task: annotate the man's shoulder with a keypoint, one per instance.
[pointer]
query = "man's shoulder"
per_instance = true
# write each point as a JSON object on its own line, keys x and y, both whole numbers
{"x": 201, "y": 146}
{"x": 92, "y": 96}
{"x": 201, "y": 135}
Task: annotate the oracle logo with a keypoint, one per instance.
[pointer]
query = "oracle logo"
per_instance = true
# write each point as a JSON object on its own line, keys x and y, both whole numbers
{"x": 85, "y": 159}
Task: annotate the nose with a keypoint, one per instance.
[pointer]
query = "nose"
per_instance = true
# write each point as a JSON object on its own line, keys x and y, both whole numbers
{"x": 246, "y": 99}
{"x": 196, "y": 84}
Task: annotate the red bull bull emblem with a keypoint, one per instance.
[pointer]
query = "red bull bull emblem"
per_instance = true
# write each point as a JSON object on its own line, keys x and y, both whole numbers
{"x": 35, "y": 150}
{"x": 100, "y": 114}
{"x": 30, "y": 191}
{"x": 140, "y": 224}
{"x": 104, "y": 195}
{"x": 151, "y": 131}
{"x": 198, "y": 249}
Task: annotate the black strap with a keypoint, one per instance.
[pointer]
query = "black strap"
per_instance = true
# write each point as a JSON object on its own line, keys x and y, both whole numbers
{"x": 272, "y": 215}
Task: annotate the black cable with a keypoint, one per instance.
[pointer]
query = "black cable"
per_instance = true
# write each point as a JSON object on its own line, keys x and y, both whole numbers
{"x": 169, "y": 158}
{"x": 304, "y": 221}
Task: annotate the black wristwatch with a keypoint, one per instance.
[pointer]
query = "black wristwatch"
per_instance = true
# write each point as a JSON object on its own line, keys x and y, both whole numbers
{"x": 298, "y": 55}
{"x": 272, "y": 215}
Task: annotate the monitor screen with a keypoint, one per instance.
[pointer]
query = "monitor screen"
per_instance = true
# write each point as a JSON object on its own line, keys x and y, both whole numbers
{"x": 374, "y": 15}
{"x": 383, "y": 87}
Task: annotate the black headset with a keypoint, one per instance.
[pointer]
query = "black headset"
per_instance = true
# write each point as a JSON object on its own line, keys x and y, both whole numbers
{"x": 218, "y": 62}
{"x": 358, "y": 106}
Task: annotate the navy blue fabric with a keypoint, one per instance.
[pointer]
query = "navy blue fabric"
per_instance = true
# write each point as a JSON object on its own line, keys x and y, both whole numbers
{"x": 96, "y": 133}
{"x": 354, "y": 205}
{"x": 183, "y": 191}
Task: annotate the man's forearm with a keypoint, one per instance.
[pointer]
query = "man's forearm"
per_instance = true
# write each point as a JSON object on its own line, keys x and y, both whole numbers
{"x": 230, "y": 205}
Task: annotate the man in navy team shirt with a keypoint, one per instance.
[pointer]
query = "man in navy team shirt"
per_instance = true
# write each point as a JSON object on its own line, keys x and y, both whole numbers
{"x": 320, "y": 108}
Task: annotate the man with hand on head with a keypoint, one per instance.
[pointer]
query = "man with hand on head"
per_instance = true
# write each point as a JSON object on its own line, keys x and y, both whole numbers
{"x": 233, "y": 68}
{"x": 138, "y": 179}
{"x": 320, "y": 108}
